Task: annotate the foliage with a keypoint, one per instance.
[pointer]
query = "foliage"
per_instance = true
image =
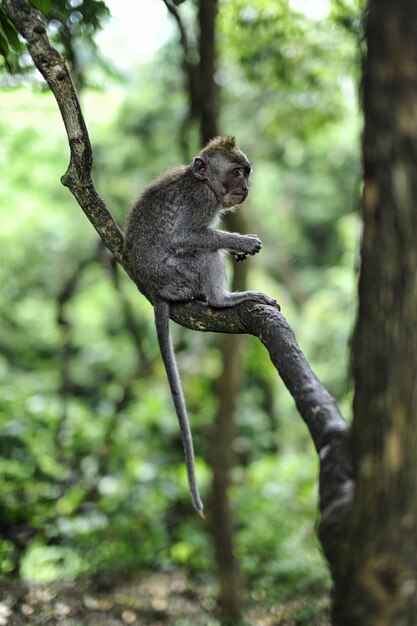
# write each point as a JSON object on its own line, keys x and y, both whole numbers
{"x": 71, "y": 25}
{"x": 285, "y": 57}
{"x": 91, "y": 469}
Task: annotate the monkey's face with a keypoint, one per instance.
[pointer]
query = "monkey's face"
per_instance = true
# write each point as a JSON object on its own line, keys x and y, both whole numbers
{"x": 235, "y": 185}
{"x": 227, "y": 175}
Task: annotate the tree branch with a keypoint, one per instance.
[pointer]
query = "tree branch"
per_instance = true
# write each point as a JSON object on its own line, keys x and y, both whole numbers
{"x": 330, "y": 433}
{"x": 192, "y": 76}
{"x": 173, "y": 9}
{"x": 53, "y": 68}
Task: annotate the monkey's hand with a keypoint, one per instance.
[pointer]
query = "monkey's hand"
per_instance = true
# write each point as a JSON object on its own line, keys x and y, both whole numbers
{"x": 248, "y": 244}
{"x": 239, "y": 256}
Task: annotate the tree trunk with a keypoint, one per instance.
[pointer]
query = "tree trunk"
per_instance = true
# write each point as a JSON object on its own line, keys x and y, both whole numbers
{"x": 376, "y": 577}
{"x": 221, "y": 518}
{"x": 228, "y": 387}
{"x": 208, "y": 90}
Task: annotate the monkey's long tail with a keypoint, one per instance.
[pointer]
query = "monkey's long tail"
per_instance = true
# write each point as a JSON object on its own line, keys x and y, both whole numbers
{"x": 161, "y": 311}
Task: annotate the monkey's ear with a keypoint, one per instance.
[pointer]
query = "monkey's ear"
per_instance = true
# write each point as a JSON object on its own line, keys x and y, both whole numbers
{"x": 199, "y": 168}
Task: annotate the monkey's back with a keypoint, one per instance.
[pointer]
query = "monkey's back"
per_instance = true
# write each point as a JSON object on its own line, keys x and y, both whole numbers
{"x": 173, "y": 202}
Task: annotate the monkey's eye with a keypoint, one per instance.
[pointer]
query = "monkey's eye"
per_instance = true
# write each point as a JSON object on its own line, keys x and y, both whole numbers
{"x": 236, "y": 172}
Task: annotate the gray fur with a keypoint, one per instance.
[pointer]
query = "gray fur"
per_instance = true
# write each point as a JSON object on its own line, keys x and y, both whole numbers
{"x": 177, "y": 253}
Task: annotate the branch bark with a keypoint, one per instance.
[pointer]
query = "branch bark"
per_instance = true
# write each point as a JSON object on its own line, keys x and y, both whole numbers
{"x": 328, "y": 430}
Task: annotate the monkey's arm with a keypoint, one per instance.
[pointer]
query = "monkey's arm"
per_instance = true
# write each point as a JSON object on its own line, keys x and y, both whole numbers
{"x": 214, "y": 239}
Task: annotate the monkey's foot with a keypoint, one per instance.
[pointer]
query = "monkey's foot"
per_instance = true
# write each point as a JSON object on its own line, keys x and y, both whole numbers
{"x": 262, "y": 298}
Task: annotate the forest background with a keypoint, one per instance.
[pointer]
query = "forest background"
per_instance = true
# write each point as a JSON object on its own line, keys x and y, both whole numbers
{"x": 91, "y": 467}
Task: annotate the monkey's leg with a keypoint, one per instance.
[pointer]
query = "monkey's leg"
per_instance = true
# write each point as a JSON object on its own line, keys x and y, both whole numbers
{"x": 231, "y": 298}
{"x": 177, "y": 280}
{"x": 214, "y": 284}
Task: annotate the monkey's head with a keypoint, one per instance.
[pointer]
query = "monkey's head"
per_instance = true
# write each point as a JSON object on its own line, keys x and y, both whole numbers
{"x": 225, "y": 169}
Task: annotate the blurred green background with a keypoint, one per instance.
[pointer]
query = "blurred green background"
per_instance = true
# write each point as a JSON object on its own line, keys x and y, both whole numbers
{"x": 91, "y": 465}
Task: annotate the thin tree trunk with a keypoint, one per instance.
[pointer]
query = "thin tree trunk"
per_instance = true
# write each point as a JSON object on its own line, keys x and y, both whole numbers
{"x": 228, "y": 387}
{"x": 376, "y": 577}
{"x": 222, "y": 458}
{"x": 229, "y": 384}
{"x": 208, "y": 90}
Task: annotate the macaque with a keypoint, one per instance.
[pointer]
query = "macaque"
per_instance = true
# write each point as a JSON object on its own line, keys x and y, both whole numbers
{"x": 177, "y": 253}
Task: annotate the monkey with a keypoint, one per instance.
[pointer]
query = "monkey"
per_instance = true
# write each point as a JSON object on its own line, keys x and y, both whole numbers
{"x": 176, "y": 253}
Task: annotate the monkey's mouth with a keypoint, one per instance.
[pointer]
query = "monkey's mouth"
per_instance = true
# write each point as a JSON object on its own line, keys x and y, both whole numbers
{"x": 234, "y": 197}
{"x": 238, "y": 197}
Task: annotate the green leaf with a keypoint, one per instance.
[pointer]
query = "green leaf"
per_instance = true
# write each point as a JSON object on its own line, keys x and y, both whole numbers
{"x": 41, "y": 5}
{"x": 4, "y": 46}
{"x": 8, "y": 30}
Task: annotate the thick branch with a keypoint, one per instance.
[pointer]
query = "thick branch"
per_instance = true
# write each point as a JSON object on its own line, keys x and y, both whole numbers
{"x": 328, "y": 430}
